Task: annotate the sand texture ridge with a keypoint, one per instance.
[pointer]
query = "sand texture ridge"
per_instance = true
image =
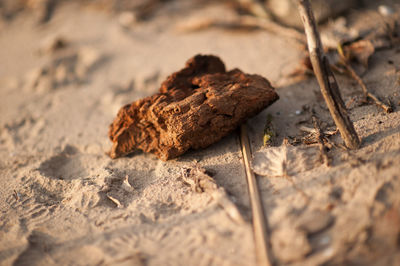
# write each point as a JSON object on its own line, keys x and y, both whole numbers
{"x": 67, "y": 68}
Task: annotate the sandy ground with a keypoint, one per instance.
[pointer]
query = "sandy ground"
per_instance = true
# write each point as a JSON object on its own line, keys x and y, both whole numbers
{"x": 63, "y": 201}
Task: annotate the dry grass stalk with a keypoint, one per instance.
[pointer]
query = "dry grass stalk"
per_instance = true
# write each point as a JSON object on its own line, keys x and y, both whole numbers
{"x": 242, "y": 22}
{"x": 325, "y": 77}
{"x": 259, "y": 220}
{"x": 273, "y": 27}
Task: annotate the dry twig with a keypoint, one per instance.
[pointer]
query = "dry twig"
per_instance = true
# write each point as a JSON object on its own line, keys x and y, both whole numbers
{"x": 259, "y": 220}
{"x": 325, "y": 77}
{"x": 273, "y": 27}
{"x": 242, "y": 22}
{"x": 312, "y": 130}
{"x": 264, "y": 20}
{"x": 346, "y": 63}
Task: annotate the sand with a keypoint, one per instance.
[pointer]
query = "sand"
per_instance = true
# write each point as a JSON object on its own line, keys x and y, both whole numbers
{"x": 63, "y": 201}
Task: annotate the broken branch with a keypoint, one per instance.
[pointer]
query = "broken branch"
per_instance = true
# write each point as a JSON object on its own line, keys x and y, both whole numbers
{"x": 325, "y": 77}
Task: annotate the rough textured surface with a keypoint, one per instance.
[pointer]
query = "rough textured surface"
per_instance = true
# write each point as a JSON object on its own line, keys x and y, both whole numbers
{"x": 195, "y": 107}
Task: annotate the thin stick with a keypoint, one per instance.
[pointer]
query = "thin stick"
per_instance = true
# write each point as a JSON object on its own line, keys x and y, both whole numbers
{"x": 273, "y": 27}
{"x": 326, "y": 79}
{"x": 312, "y": 130}
{"x": 320, "y": 138}
{"x": 356, "y": 77}
{"x": 259, "y": 221}
{"x": 243, "y": 21}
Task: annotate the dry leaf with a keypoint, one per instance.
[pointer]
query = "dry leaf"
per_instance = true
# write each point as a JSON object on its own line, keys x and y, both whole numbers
{"x": 285, "y": 160}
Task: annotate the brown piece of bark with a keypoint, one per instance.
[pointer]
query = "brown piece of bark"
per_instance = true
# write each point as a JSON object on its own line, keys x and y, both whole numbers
{"x": 195, "y": 108}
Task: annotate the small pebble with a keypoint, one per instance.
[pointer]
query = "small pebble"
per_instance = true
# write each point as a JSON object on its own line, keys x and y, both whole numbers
{"x": 385, "y": 10}
{"x": 298, "y": 112}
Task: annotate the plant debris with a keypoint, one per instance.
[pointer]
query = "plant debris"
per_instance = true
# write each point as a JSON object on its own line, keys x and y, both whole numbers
{"x": 358, "y": 42}
{"x": 285, "y": 160}
{"x": 345, "y": 60}
{"x": 269, "y": 132}
{"x": 287, "y": 13}
{"x": 320, "y": 138}
{"x": 194, "y": 108}
{"x": 241, "y": 22}
{"x": 315, "y": 136}
{"x": 199, "y": 179}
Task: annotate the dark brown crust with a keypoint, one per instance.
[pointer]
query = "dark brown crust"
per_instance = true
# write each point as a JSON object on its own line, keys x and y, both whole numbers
{"x": 195, "y": 107}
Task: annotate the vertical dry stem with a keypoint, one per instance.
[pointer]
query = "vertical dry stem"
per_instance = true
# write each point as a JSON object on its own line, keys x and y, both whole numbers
{"x": 326, "y": 79}
{"x": 260, "y": 229}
